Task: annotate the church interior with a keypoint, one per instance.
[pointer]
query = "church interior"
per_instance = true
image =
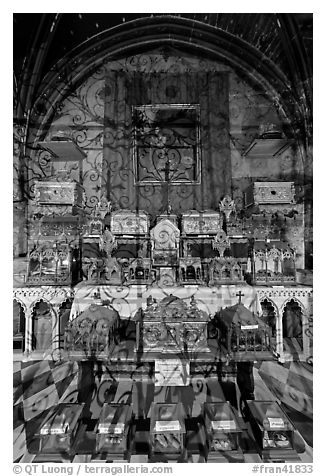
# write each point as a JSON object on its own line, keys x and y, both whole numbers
{"x": 162, "y": 223}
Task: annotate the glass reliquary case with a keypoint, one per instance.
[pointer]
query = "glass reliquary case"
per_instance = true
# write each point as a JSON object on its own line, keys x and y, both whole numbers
{"x": 52, "y": 265}
{"x": 222, "y": 426}
{"x": 272, "y": 428}
{"x": 167, "y": 429}
{"x": 113, "y": 429}
{"x": 58, "y": 431}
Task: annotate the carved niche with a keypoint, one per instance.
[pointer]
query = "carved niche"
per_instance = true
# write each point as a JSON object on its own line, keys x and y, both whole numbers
{"x": 165, "y": 241}
{"x": 225, "y": 271}
{"x": 172, "y": 326}
{"x": 190, "y": 271}
{"x": 274, "y": 266}
{"x": 140, "y": 271}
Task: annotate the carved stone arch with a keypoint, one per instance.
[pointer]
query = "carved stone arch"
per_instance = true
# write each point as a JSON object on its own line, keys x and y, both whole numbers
{"x": 273, "y": 323}
{"x": 37, "y": 301}
{"x": 178, "y": 32}
{"x": 293, "y": 326}
{"x": 19, "y": 325}
{"x": 295, "y": 299}
{"x": 67, "y": 299}
{"x": 42, "y": 329}
{"x": 23, "y": 305}
{"x": 63, "y": 318}
{"x": 267, "y": 298}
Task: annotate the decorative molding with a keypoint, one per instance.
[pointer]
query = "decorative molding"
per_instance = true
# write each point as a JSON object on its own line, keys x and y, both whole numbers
{"x": 284, "y": 292}
{"x": 50, "y": 293}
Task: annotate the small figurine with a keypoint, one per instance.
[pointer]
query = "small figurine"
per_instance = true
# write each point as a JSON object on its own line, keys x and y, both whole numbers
{"x": 107, "y": 242}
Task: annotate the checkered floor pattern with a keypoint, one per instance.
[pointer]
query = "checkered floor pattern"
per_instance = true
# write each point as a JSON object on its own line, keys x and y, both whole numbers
{"x": 41, "y": 385}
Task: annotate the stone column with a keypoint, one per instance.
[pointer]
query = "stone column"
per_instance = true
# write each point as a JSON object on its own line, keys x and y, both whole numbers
{"x": 305, "y": 334}
{"x": 279, "y": 336}
{"x": 55, "y": 326}
{"x": 28, "y": 329}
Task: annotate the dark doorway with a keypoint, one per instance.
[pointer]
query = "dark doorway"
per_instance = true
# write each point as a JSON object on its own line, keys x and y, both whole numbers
{"x": 18, "y": 327}
{"x": 292, "y": 324}
{"x": 42, "y": 326}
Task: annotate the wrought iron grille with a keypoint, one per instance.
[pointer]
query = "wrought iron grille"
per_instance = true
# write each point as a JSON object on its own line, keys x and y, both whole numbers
{"x": 166, "y": 143}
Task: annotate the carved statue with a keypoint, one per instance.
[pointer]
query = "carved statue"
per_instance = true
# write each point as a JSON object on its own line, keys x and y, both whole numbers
{"x": 227, "y": 206}
{"x": 103, "y": 207}
{"x": 107, "y": 242}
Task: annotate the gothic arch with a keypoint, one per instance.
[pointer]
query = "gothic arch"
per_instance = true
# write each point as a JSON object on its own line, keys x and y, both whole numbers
{"x": 66, "y": 300}
{"x": 293, "y": 322}
{"x": 45, "y": 300}
{"x": 42, "y": 330}
{"x": 63, "y": 318}
{"x": 302, "y": 307}
{"x": 19, "y": 325}
{"x": 160, "y": 31}
{"x": 272, "y": 321}
{"x": 265, "y": 298}
{"x": 23, "y": 305}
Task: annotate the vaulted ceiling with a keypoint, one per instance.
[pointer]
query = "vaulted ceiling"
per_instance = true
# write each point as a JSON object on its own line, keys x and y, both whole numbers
{"x": 277, "y": 45}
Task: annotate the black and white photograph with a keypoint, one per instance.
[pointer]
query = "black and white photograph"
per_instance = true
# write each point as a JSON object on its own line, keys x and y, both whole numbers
{"x": 162, "y": 241}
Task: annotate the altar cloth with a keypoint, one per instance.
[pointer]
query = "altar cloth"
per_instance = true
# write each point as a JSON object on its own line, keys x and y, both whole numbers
{"x": 128, "y": 299}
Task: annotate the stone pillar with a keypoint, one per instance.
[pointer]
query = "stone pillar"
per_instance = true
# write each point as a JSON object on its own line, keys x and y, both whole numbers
{"x": 55, "y": 326}
{"x": 305, "y": 335}
{"x": 28, "y": 330}
{"x": 279, "y": 336}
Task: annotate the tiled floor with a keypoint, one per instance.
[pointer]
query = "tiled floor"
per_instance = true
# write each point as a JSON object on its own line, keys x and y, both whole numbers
{"x": 39, "y": 386}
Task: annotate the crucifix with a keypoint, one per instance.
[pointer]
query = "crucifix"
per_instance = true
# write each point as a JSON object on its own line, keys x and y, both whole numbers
{"x": 166, "y": 187}
{"x": 240, "y": 295}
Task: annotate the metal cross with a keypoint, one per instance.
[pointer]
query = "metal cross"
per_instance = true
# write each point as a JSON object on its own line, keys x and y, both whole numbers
{"x": 240, "y": 295}
{"x": 167, "y": 182}
{"x": 167, "y": 170}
